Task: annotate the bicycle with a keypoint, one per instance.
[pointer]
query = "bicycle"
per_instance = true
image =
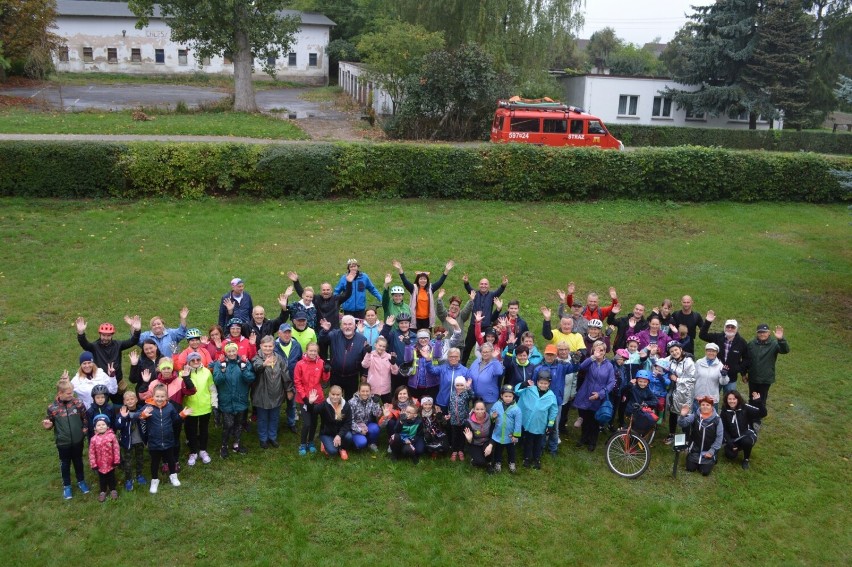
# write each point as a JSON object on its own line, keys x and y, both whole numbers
{"x": 628, "y": 453}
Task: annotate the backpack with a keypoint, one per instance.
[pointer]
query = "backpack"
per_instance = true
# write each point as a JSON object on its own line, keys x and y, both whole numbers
{"x": 604, "y": 413}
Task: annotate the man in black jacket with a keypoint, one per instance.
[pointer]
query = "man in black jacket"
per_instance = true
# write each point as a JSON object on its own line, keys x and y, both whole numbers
{"x": 347, "y": 352}
{"x": 628, "y": 325}
{"x": 732, "y": 348}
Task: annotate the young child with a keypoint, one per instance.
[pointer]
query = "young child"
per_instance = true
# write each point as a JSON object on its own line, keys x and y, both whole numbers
{"x": 104, "y": 456}
{"x": 636, "y": 395}
{"x": 232, "y": 378}
{"x": 178, "y": 386}
{"x": 457, "y": 412}
{"x": 310, "y": 374}
{"x": 131, "y": 432}
{"x": 380, "y": 366}
{"x": 365, "y": 413}
{"x": 161, "y": 417}
{"x": 477, "y": 433}
{"x": 100, "y": 406}
{"x": 434, "y": 436}
{"x": 659, "y": 384}
{"x": 201, "y": 402}
{"x": 407, "y": 437}
{"x": 67, "y": 417}
{"x": 539, "y": 409}
{"x": 507, "y": 428}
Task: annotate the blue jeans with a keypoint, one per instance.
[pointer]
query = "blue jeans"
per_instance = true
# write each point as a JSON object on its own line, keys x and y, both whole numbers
{"x": 291, "y": 412}
{"x": 328, "y": 442}
{"x": 372, "y": 437}
{"x": 267, "y": 423}
{"x": 729, "y": 387}
{"x": 553, "y": 438}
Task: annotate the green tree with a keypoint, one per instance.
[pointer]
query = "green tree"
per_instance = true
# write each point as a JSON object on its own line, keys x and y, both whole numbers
{"x": 395, "y": 53}
{"x": 634, "y": 61}
{"x": 832, "y": 30}
{"x": 672, "y": 57}
{"x": 241, "y": 28}
{"x": 25, "y": 30}
{"x": 601, "y": 45}
{"x": 353, "y": 17}
{"x": 844, "y": 89}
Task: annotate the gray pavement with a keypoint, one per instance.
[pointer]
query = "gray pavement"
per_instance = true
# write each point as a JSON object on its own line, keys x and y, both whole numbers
{"x": 119, "y": 97}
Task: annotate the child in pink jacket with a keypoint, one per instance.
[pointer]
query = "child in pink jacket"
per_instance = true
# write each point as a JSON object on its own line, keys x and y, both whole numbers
{"x": 104, "y": 456}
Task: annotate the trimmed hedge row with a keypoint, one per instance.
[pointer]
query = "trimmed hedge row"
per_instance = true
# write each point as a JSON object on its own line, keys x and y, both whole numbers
{"x": 514, "y": 172}
{"x": 635, "y": 135}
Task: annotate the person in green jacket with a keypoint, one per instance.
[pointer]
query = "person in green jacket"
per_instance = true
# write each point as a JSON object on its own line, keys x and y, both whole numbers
{"x": 67, "y": 417}
{"x": 761, "y": 355}
{"x": 202, "y": 401}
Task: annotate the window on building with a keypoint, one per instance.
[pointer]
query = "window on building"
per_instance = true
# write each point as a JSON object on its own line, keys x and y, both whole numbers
{"x": 312, "y": 59}
{"x": 524, "y": 125}
{"x": 552, "y": 126}
{"x": 87, "y": 55}
{"x": 182, "y": 56}
{"x": 627, "y": 105}
{"x": 291, "y": 59}
{"x": 159, "y": 55}
{"x": 205, "y": 61}
{"x": 576, "y": 126}
{"x": 228, "y": 57}
{"x": 692, "y": 115}
{"x": 112, "y": 55}
{"x": 136, "y": 55}
{"x": 63, "y": 54}
{"x": 270, "y": 61}
{"x": 662, "y": 107}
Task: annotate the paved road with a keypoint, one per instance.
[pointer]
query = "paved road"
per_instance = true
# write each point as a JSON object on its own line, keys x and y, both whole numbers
{"x": 116, "y": 97}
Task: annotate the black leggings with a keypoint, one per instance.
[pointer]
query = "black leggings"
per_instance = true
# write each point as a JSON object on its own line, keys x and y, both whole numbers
{"x": 197, "y": 432}
{"x": 309, "y": 426}
{"x": 497, "y": 452}
{"x": 457, "y": 438}
{"x": 167, "y": 455}
{"x": 477, "y": 455}
{"x": 706, "y": 465}
{"x": 232, "y": 427}
{"x": 763, "y": 390}
{"x": 590, "y": 429}
{"x": 106, "y": 480}
{"x": 69, "y": 454}
{"x": 422, "y": 323}
{"x": 744, "y": 445}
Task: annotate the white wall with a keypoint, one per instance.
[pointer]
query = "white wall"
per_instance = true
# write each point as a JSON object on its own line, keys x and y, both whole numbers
{"x": 350, "y": 77}
{"x": 101, "y": 33}
{"x": 599, "y": 95}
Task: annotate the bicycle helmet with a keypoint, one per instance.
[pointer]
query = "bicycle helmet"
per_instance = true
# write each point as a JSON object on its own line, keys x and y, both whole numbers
{"x": 106, "y": 328}
{"x": 235, "y": 321}
{"x": 99, "y": 389}
{"x": 663, "y": 363}
{"x": 633, "y": 338}
{"x": 193, "y": 334}
{"x": 596, "y": 324}
{"x": 397, "y": 289}
{"x": 674, "y": 344}
{"x": 643, "y": 375}
{"x": 403, "y": 317}
{"x": 507, "y": 388}
{"x": 543, "y": 374}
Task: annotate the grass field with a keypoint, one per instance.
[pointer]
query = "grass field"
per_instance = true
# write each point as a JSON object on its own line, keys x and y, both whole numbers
{"x": 22, "y": 121}
{"x": 785, "y": 264}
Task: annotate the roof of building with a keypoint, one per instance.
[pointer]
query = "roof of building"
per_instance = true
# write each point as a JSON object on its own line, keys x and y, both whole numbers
{"x": 120, "y": 10}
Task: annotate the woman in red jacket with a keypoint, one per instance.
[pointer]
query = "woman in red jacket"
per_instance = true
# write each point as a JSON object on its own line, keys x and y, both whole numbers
{"x": 308, "y": 376}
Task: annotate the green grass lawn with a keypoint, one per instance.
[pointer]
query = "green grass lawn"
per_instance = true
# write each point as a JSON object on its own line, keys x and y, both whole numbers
{"x": 21, "y": 121}
{"x": 784, "y": 264}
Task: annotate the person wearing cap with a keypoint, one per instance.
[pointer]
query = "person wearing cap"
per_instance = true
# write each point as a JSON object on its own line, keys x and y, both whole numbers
{"x": 710, "y": 375}
{"x": 732, "y": 347}
{"x": 422, "y": 302}
{"x": 705, "y": 432}
{"x": 303, "y": 334}
{"x": 100, "y": 405}
{"x": 167, "y": 339}
{"x": 328, "y": 302}
{"x": 347, "y": 352}
{"x": 290, "y": 351}
{"x": 88, "y": 376}
{"x": 392, "y": 301}
{"x": 682, "y": 373}
{"x": 361, "y": 284}
{"x": 628, "y": 325}
{"x": 201, "y": 403}
{"x": 763, "y": 351}
{"x": 236, "y": 303}
{"x": 689, "y": 318}
{"x": 483, "y": 300}
{"x": 592, "y": 310}
{"x": 598, "y": 383}
{"x": 246, "y": 346}
{"x": 107, "y": 351}
{"x": 539, "y": 410}
{"x": 193, "y": 340}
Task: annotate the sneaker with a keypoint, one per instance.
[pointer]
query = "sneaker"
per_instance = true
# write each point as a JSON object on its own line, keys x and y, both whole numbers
{"x": 292, "y": 428}
{"x": 223, "y": 452}
{"x": 128, "y": 485}
{"x": 526, "y": 463}
{"x": 490, "y": 470}
{"x": 498, "y": 467}
{"x": 669, "y": 439}
{"x": 174, "y": 479}
{"x": 579, "y": 423}
{"x": 745, "y": 464}
{"x": 264, "y": 445}
{"x": 303, "y": 450}
{"x": 155, "y": 484}
{"x": 273, "y": 443}
{"x": 66, "y": 493}
{"x": 344, "y": 456}
{"x": 205, "y": 458}
{"x": 113, "y": 494}
{"x": 512, "y": 468}
{"x": 192, "y": 458}
{"x": 101, "y": 496}
{"x": 374, "y": 448}
{"x": 461, "y": 455}
{"x": 241, "y": 450}
{"x": 141, "y": 480}
{"x": 592, "y": 447}
{"x": 84, "y": 488}
{"x": 312, "y": 448}
{"x": 322, "y": 449}
{"x": 454, "y": 456}
{"x": 537, "y": 465}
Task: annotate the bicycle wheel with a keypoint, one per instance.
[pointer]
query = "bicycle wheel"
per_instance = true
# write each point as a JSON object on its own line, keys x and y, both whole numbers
{"x": 627, "y": 455}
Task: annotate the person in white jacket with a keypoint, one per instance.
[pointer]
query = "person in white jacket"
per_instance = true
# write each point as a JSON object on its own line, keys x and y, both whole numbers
{"x": 710, "y": 376}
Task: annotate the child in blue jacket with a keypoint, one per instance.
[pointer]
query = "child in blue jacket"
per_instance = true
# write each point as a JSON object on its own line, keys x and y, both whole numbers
{"x": 506, "y": 431}
{"x": 539, "y": 409}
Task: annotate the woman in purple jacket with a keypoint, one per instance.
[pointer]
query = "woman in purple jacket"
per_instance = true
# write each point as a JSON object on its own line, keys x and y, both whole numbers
{"x": 599, "y": 382}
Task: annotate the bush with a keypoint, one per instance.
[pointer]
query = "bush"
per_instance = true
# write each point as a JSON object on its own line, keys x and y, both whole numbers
{"x": 635, "y": 135}
{"x": 511, "y": 172}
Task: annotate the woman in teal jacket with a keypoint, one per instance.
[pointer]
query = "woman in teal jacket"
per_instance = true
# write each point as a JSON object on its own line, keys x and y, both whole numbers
{"x": 232, "y": 378}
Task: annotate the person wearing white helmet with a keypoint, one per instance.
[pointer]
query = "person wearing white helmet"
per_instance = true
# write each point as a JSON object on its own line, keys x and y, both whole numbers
{"x": 732, "y": 347}
{"x": 393, "y": 301}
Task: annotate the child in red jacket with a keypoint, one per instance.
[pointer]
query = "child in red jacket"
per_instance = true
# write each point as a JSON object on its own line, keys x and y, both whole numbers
{"x": 104, "y": 456}
{"x": 309, "y": 375}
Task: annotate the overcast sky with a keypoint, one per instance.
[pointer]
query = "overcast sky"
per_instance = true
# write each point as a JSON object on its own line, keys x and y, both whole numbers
{"x": 638, "y": 21}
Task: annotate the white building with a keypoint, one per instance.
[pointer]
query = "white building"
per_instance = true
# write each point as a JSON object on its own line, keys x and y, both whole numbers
{"x": 102, "y": 37}
{"x": 637, "y": 100}
{"x": 351, "y": 77}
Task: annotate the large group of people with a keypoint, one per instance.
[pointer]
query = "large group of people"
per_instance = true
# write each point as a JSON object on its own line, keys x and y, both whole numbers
{"x": 457, "y": 376}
